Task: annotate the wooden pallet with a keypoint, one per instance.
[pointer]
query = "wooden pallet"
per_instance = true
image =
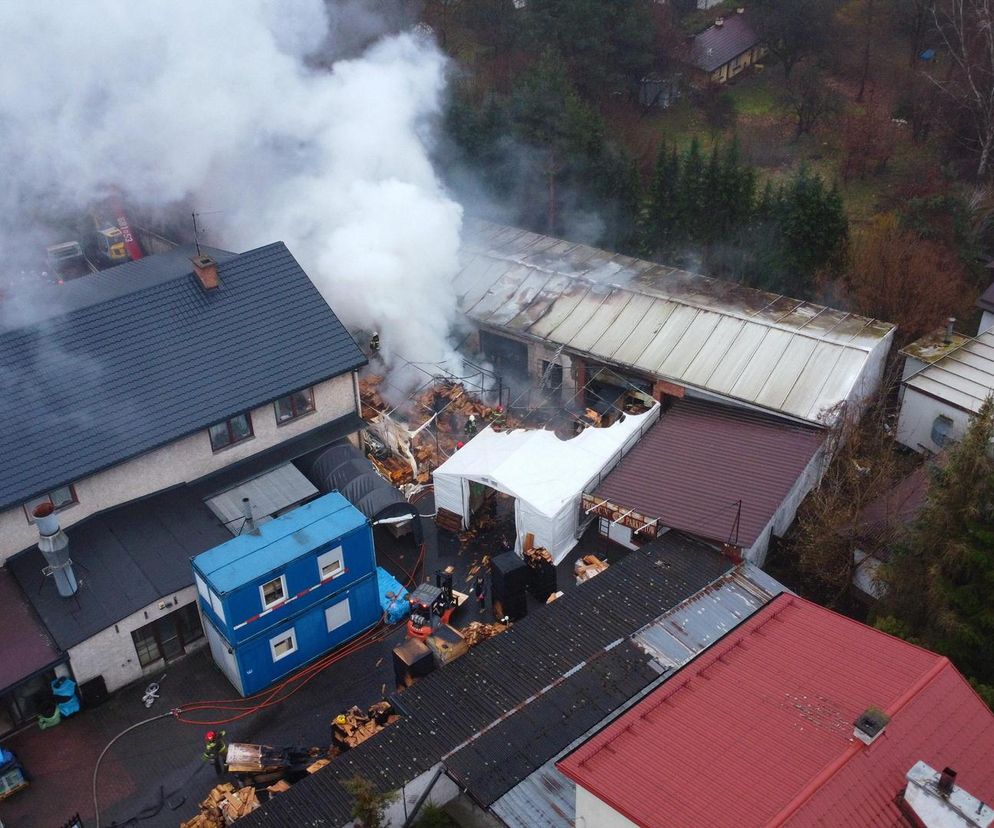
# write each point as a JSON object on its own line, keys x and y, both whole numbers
{"x": 449, "y": 521}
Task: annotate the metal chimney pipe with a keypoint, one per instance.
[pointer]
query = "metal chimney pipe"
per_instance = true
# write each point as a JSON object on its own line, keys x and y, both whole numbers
{"x": 947, "y": 779}
{"x": 54, "y": 546}
{"x": 950, "y": 323}
{"x": 249, "y": 524}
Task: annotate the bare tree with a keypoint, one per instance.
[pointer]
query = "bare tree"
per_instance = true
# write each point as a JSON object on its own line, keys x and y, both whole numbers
{"x": 810, "y": 99}
{"x": 966, "y": 28}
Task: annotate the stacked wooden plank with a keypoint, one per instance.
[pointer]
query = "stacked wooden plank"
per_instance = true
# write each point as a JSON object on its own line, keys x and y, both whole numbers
{"x": 478, "y": 631}
{"x": 223, "y": 806}
{"x": 446, "y": 645}
{"x": 587, "y": 567}
{"x": 353, "y": 727}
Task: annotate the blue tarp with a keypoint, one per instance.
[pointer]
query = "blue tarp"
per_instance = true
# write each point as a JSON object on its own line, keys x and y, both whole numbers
{"x": 396, "y": 607}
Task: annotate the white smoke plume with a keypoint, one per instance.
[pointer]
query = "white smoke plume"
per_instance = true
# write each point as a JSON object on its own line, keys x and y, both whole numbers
{"x": 243, "y": 110}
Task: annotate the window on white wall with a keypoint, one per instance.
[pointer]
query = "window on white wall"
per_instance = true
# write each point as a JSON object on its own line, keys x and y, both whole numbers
{"x": 202, "y": 588}
{"x": 331, "y": 564}
{"x": 283, "y": 645}
{"x": 942, "y": 429}
{"x": 338, "y": 615}
{"x": 273, "y": 592}
{"x": 216, "y": 604}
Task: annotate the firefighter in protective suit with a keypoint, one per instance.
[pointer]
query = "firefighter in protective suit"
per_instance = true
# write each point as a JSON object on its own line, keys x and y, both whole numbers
{"x": 215, "y": 749}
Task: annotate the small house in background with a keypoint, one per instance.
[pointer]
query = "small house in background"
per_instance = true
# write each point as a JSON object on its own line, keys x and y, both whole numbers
{"x": 283, "y": 594}
{"x": 722, "y": 51}
{"x": 947, "y": 376}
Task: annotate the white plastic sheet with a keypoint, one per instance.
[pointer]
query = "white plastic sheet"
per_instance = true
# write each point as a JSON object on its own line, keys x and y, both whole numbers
{"x": 544, "y": 474}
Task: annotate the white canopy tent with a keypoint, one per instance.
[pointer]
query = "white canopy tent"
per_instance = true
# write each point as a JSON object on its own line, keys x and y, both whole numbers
{"x": 545, "y": 475}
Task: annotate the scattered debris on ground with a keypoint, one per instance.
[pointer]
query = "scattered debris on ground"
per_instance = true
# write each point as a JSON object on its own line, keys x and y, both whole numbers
{"x": 587, "y": 567}
{"x": 223, "y": 806}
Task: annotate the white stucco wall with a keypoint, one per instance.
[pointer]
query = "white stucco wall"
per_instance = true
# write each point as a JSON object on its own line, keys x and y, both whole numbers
{"x": 182, "y": 461}
{"x": 111, "y": 653}
{"x": 592, "y": 812}
{"x": 918, "y": 413}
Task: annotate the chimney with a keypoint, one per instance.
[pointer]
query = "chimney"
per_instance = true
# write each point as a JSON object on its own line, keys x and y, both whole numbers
{"x": 54, "y": 546}
{"x": 932, "y": 800}
{"x": 719, "y": 22}
{"x": 950, "y": 323}
{"x": 868, "y": 727}
{"x": 947, "y": 781}
{"x": 205, "y": 269}
{"x": 248, "y": 526}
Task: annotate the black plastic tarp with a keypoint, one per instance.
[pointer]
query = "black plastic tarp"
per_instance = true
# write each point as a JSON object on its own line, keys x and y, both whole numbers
{"x": 346, "y": 470}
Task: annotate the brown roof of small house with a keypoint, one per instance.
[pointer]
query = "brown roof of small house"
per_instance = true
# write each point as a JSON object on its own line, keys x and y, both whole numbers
{"x": 694, "y": 466}
{"x": 716, "y": 46}
{"x": 27, "y": 648}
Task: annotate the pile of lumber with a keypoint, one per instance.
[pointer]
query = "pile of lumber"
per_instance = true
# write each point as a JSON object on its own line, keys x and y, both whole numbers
{"x": 223, "y": 806}
{"x": 371, "y": 402}
{"x": 353, "y": 727}
{"x": 477, "y": 631}
{"x": 587, "y": 567}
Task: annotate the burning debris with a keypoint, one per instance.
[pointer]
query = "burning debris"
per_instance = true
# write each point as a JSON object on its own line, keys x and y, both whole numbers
{"x": 448, "y": 416}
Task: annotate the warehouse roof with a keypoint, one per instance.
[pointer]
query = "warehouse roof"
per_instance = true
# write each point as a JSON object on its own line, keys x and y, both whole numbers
{"x": 455, "y": 714}
{"x": 104, "y": 368}
{"x": 695, "y": 466}
{"x": 718, "y": 44}
{"x": 769, "y": 711}
{"x": 788, "y": 356}
{"x": 963, "y": 378}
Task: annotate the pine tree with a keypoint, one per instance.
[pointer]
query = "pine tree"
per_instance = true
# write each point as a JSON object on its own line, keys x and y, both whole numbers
{"x": 938, "y": 585}
{"x": 690, "y": 196}
{"x": 664, "y": 207}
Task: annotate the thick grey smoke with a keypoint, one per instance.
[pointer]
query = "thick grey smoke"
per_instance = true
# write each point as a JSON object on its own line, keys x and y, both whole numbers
{"x": 240, "y": 107}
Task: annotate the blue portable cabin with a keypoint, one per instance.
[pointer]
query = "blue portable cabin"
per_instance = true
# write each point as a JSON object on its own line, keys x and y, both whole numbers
{"x": 298, "y": 586}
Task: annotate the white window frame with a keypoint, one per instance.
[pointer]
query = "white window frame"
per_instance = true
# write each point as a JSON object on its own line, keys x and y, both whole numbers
{"x": 279, "y": 639}
{"x": 262, "y": 593}
{"x": 325, "y": 558}
{"x": 332, "y": 611}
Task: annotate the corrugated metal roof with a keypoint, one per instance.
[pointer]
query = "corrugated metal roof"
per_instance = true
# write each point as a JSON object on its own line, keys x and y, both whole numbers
{"x": 454, "y": 711}
{"x": 963, "y": 378}
{"x": 717, "y": 45}
{"x": 695, "y": 465}
{"x": 269, "y": 493}
{"x": 759, "y": 729}
{"x": 782, "y": 354}
{"x": 546, "y": 798}
{"x": 140, "y": 355}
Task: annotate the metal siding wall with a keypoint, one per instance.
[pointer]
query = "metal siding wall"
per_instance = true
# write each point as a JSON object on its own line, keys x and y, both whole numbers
{"x": 313, "y": 639}
{"x": 301, "y": 574}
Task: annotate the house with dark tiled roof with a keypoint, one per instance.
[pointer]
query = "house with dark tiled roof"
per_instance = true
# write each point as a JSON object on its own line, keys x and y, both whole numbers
{"x": 134, "y": 402}
{"x": 725, "y": 49}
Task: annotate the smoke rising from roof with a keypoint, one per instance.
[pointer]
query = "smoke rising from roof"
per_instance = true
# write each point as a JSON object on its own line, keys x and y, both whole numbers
{"x": 244, "y": 110}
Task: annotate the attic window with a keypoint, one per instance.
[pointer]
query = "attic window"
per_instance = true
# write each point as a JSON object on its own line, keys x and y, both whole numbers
{"x": 942, "y": 429}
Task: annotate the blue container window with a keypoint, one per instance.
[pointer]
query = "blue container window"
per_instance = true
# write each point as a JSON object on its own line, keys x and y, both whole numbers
{"x": 283, "y": 645}
{"x": 338, "y": 615}
{"x": 331, "y": 564}
{"x": 273, "y": 592}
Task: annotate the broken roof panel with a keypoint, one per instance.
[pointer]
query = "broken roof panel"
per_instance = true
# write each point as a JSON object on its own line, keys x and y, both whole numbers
{"x": 759, "y": 348}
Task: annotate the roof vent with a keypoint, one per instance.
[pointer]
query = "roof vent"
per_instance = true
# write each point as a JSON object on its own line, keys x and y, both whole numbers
{"x": 933, "y": 800}
{"x": 950, "y": 324}
{"x": 205, "y": 269}
{"x": 740, "y": 10}
{"x": 870, "y": 725}
{"x": 719, "y": 22}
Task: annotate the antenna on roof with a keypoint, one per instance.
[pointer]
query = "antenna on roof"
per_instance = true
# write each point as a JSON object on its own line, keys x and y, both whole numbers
{"x": 196, "y": 236}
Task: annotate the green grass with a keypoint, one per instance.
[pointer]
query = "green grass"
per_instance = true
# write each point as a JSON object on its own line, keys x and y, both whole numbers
{"x": 757, "y": 96}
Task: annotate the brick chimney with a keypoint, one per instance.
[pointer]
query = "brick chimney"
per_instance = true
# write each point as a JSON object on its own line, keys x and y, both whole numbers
{"x": 205, "y": 269}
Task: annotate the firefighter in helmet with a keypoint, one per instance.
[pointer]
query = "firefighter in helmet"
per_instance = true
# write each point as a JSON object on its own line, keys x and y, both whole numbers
{"x": 215, "y": 749}
{"x": 374, "y": 343}
{"x": 471, "y": 425}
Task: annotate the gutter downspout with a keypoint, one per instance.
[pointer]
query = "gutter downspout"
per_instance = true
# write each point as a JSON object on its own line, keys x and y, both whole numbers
{"x": 423, "y": 797}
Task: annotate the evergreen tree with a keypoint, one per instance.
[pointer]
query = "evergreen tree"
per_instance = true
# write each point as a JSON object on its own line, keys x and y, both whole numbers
{"x": 814, "y": 227}
{"x": 938, "y": 586}
{"x": 664, "y": 208}
{"x": 690, "y": 196}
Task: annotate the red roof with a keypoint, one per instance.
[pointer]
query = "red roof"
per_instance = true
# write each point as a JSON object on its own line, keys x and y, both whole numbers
{"x": 26, "y": 647}
{"x": 758, "y": 729}
{"x": 692, "y": 468}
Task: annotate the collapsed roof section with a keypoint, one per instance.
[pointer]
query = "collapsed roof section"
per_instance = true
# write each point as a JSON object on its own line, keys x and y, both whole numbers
{"x": 791, "y": 357}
